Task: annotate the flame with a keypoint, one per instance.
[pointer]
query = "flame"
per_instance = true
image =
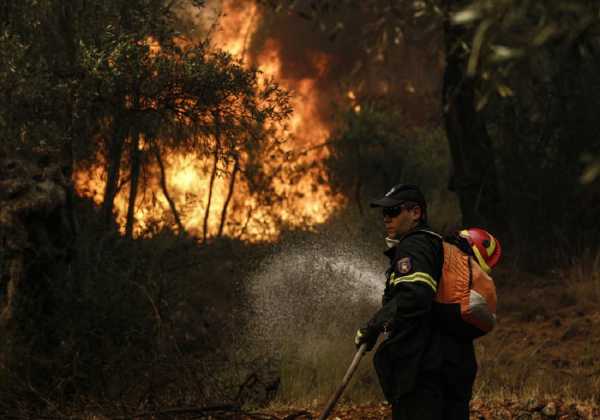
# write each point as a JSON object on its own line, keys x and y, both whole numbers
{"x": 238, "y": 24}
{"x": 308, "y": 199}
{"x": 153, "y": 45}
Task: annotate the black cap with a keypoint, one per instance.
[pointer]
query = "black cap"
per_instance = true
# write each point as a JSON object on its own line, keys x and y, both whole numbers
{"x": 399, "y": 194}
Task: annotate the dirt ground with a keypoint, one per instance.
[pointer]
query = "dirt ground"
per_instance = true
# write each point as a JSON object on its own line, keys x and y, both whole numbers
{"x": 541, "y": 362}
{"x": 480, "y": 410}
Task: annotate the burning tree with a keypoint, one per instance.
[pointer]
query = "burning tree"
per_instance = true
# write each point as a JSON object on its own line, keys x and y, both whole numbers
{"x": 386, "y": 25}
{"x": 184, "y": 101}
{"x": 163, "y": 130}
{"x": 112, "y": 90}
{"x": 509, "y": 69}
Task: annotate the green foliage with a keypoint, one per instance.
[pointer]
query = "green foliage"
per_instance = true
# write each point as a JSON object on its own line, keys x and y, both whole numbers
{"x": 127, "y": 325}
{"x": 41, "y": 74}
{"x": 67, "y": 66}
{"x": 374, "y": 150}
{"x": 541, "y": 136}
{"x": 125, "y": 318}
{"x": 180, "y": 90}
{"x": 532, "y": 64}
{"x": 119, "y": 82}
{"x": 515, "y": 42}
{"x": 509, "y": 31}
{"x": 178, "y": 98}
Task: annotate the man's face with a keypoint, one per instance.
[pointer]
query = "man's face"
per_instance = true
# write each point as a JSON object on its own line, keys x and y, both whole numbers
{"x": 402, "y": 223}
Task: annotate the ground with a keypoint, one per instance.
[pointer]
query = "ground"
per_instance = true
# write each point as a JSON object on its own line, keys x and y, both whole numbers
{"x": 541, "y": 362}
{"x": 502, "y": 410}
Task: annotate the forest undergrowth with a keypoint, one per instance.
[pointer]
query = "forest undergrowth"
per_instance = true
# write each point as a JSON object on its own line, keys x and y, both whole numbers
{"x": 206, "y": 342}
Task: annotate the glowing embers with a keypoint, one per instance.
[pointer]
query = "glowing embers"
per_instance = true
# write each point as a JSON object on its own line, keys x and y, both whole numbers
{"x": 353, "y": 101}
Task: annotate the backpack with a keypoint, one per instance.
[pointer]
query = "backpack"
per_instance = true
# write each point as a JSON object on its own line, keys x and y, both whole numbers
{"x": 465, "y": 301}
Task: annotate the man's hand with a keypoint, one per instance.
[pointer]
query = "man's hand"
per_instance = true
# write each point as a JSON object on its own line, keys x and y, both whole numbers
{"x": 366, "y": 335}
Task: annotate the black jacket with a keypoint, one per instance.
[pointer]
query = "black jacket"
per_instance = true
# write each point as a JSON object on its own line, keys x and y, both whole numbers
{"x": 414, "y": 344}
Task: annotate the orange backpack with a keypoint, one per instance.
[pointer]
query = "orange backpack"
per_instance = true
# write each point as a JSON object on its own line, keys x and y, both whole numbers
{"x": 465, "y": 302}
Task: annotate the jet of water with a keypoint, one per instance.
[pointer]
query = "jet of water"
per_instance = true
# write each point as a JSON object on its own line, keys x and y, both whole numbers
{"x": 313, "y": 291}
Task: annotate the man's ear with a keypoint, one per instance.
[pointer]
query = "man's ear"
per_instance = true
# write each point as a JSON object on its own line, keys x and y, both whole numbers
{"x": 417, "y": 213}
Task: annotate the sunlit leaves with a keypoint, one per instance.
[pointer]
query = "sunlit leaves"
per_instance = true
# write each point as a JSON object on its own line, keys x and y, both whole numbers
{"x": 504, "y": 91}
{"x": 592, "y": 169}
{"x": 501, "y": 53}
{"x": 467, "y": 15}
{"x": 508, "y": 31}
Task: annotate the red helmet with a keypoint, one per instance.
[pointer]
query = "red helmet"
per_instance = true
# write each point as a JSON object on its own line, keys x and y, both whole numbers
{"x": 486, "y": 248}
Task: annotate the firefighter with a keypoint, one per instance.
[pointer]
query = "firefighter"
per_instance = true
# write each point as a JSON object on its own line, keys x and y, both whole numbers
{"x": 425, "y": 371}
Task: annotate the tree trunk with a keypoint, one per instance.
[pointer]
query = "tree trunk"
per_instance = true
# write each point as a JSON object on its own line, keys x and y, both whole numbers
{"x": 473, "y": 171}
{"x": 357, "y": 194}
{"x": 236, "y": 168}
{"x": 113, "y": 169}
{"x": 133, "y": 182}
{"x": 64, "y": 59}
{"x": 213, "y": 176}
{"x": 163, "y": 185}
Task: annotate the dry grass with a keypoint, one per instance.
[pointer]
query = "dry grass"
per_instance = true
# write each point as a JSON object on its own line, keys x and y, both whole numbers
{"x": 547, "y": 341}
{"x": 311, "y": 374}
{"x": 582, "y": 278}
{"x": 546, "y": 346}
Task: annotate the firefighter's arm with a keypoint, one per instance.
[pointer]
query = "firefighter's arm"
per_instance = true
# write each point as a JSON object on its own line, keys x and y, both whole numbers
{"x": 410, "y": 300}
{"x": 413, "y": 283}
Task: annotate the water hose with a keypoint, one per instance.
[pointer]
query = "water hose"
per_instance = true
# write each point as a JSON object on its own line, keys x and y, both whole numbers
{"x": 338, "y": 393}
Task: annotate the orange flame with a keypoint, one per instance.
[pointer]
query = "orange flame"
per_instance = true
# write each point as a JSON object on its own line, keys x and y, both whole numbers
{"x": 309, "y": 199}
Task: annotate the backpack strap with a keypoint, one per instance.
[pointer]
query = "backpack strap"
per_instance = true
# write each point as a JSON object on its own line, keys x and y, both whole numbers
{"x": 437, "y": 235}
{"x": 427, "y": 231}
{"x": 431, "y": 234}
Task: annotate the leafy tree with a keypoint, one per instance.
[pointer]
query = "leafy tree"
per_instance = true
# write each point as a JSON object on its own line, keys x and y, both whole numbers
{"x": 518, "y": 87}
{"x": 179, "y": 99}
{"x": 372, "y": 148}
{"x": 473, "y": 173}
{"x": 516, "y": 38}
{"x": 117, "y": 81}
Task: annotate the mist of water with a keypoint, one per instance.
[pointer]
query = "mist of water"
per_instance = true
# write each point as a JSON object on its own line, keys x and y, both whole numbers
{"x": 313, "y": 291}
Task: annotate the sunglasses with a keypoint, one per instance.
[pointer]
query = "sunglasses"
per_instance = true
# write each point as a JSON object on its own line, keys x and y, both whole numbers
{"x": 392, "y": 211}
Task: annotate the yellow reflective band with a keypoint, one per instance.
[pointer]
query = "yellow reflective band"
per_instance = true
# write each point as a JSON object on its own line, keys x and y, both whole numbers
{"x": 414, "y": 277}
{"x": 490, "y": 249}
{"x": 481, "y": 261}
{"x": 464, "y": 234}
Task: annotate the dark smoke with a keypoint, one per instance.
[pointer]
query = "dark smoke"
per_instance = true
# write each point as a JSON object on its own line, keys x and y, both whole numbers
{"x": 351, "y": 66}
{"x": 407, "y": 77}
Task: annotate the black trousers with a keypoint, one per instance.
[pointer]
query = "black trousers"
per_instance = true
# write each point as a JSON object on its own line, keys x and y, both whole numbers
{"x": 441, "y": 394}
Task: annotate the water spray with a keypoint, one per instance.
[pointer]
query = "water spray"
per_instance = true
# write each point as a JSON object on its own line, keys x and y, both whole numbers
{"x": 294, "y": 300}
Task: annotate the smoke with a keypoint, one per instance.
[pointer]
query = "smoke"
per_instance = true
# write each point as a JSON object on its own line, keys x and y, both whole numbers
{"x": 197, "y": 23}
{"x": 409, "y": 75}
